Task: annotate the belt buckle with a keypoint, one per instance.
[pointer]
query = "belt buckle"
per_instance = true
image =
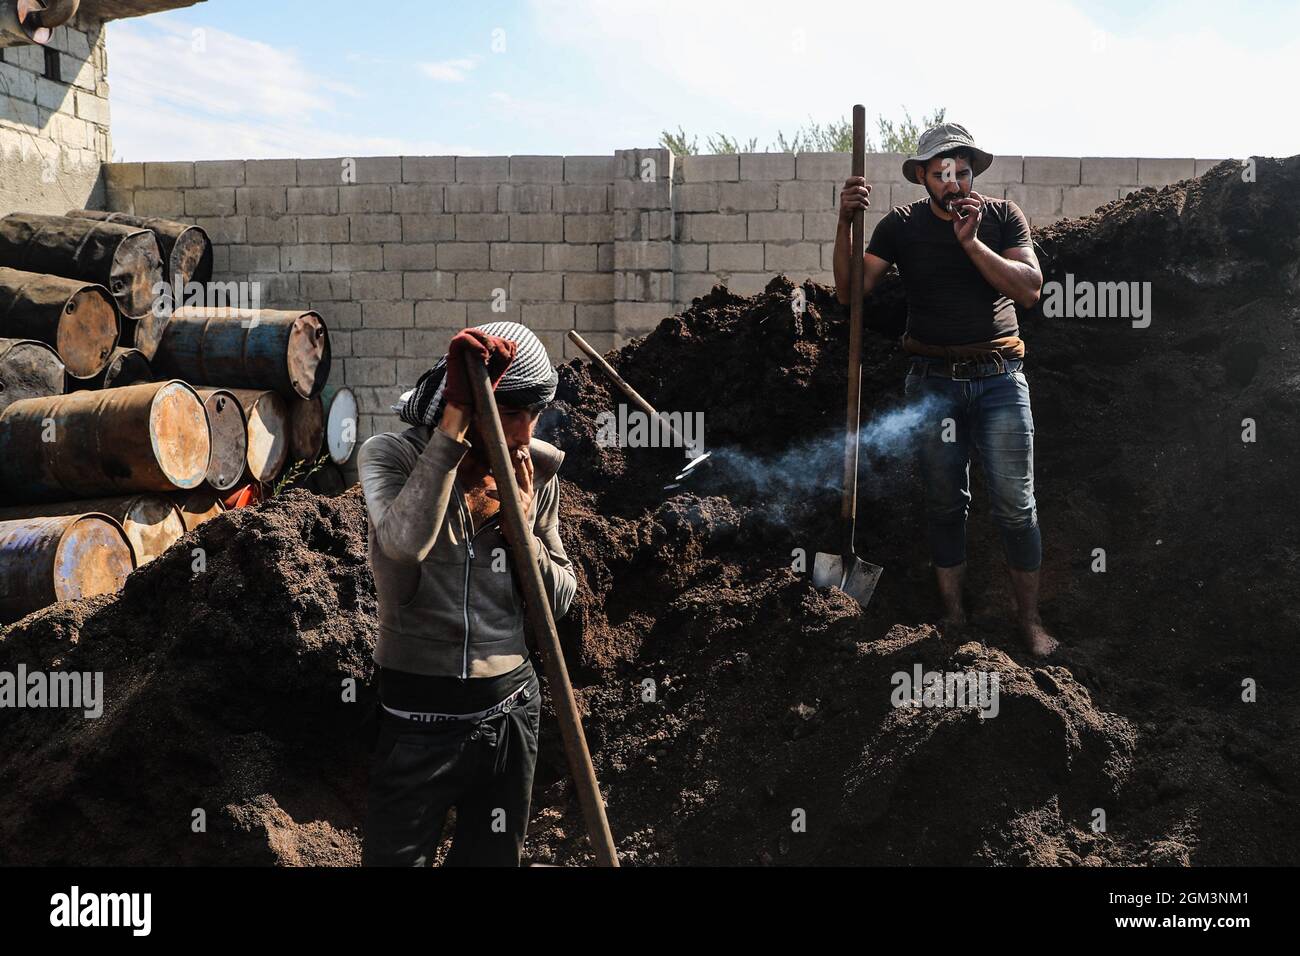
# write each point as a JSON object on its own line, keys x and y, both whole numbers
{"x": 952, "y": 368}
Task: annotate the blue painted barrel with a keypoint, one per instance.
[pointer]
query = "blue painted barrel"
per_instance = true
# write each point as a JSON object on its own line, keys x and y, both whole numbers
{"x": 50, "y": 559}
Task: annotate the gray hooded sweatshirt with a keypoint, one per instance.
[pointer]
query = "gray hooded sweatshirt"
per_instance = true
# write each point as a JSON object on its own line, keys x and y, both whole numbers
{"x": 448, "y": 603}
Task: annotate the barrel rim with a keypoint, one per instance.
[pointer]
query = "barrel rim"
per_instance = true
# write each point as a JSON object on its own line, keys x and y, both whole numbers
{"x": 153, "y": 438}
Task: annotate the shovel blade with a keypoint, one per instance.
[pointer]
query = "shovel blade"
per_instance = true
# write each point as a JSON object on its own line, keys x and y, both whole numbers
{"x": 853, "y": 576}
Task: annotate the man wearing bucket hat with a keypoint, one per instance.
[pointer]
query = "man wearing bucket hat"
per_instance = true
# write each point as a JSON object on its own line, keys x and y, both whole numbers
{"x": 459, "y": 706}
{"x": 966, "y": 261}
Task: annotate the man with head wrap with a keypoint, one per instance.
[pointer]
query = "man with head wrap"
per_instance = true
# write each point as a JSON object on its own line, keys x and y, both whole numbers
{"x": 458, "y": 696}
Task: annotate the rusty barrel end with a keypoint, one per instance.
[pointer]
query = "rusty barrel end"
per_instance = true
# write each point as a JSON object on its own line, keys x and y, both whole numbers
{"x": 229, "y": 432}
{"x": 307, "y": 357}
{"x": 88, "y": 333}
{"x": 179, "y": 433}
{"x": 93, "y": 556}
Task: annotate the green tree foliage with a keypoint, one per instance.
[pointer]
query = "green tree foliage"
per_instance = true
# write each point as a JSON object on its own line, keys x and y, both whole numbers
{"x": 835, "y": 136}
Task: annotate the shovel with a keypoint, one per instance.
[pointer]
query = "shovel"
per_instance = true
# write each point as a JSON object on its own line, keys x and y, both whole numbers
{"x": 542, "y": 620}
{"x": 846, "y": 571}
{"x": 635, "y": 398}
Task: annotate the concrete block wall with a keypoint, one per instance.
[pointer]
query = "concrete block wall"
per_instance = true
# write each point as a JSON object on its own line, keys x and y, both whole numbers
{"x": 54, "y": 121}
{"x": 399, "y": 252}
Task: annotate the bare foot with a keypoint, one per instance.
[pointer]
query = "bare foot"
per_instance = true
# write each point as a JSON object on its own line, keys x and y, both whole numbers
{"x": 1040, "y": 642}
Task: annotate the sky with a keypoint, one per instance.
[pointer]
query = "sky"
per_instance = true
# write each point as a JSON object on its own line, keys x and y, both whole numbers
{"x": 253, "y": 79}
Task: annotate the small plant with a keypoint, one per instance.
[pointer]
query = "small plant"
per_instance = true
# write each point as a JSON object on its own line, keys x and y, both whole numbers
{"x": 297, "y": 472}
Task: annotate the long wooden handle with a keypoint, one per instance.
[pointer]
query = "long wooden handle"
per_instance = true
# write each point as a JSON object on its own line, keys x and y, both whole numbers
{"x": 541, "y": 619}
{"x": 633, "y": 395}
{"x": 849, "y": 501}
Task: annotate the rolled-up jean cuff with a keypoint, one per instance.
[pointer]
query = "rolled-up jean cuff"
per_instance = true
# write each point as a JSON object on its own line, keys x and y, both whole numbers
{"x": 1024, "y": 547}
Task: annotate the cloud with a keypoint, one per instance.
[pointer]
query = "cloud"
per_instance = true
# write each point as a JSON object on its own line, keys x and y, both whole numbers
{"x": 448, "y": 71}
{"x": 184, "y": 92}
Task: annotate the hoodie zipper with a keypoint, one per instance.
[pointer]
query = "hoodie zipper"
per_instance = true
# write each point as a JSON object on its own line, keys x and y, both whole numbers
{"x": 469, "y": 558}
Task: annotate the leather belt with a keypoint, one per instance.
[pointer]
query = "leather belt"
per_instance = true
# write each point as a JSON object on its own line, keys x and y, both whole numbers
{"x": 963, "y": 370}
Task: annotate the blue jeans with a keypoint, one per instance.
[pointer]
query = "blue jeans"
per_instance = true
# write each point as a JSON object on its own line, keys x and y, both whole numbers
{"x": 990, "y": 416}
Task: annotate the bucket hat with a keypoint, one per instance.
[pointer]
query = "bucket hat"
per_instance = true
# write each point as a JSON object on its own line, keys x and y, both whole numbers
{"x": 941, "y": 139}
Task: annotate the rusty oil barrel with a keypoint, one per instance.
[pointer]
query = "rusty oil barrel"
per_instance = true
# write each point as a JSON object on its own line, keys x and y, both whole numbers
{"x": 306, "y": 428}
{"x": 340, "y": 422}
{"x": 186, "y": 249}
{"x": 147, "y": 437}
{"x": 51, "y": 559}
{"x": 153, "y": 523}
{"x": 198, "y": 505}
{"x": 288, "y": 351}
{"x": 28, "y": 369}
{"x": 267, "y": 414}
{"x": 126, "y": 366}
{"x": 123, "y": 259}
{"x": 78, "y": 319}
{"x": 229, "y": 428}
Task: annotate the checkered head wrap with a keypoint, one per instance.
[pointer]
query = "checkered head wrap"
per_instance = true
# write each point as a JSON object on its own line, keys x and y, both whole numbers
{"x": 531, "y": 379}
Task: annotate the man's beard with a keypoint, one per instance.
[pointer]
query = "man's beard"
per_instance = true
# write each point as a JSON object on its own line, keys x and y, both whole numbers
{"x": 945, "y": 202}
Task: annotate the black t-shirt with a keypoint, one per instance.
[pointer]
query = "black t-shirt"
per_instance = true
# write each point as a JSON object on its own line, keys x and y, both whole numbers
{"x": 948, "y": 301}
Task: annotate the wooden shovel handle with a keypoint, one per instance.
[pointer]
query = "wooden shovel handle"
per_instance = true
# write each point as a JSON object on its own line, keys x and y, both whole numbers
{"x": 849, "y": 501}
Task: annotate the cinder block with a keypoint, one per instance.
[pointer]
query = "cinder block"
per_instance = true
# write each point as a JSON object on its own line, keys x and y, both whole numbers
{"x": 997, "y": 190}
{"x": 124, "y": 176}
{"x": 343, "y": 315}
{"x": 706, "y": 169}
{"x": 366, "y": 198}
{"x": 279, "y": 289}
{"x": 1083, "y": 200}
{"x": 657, "y": 256}
{"x": 593, "y": 317}
{"x": 1052, "y": 170}
{"x": 757, "y": 167}
{"x": 255, "y": 259}
{"x": 370, "y": 371}
{"x": 420, "y": 257}
{"x": 378, "y": 342}
{"x": 429, "y": 169}
{"x": 322, "y": 228}
{"x": 690, "y": 257}
{"x": 1107, "y": 171}
{"x": 428, "y": 285}
{"x": 324, "y": 172}
{"x": 219, "y": 172}
{"x": 588, "y": 169}
{"x": 748, "y": 283}
{"x": 794, "y": 256}
{"x": 820, "y": 197}
{"x": 470, "y": 198}
{"x": 480, "y": 286}
{"x": 300, "y": 258}
{"x": 744, "y": 197}
{"x": 482, "y": 169}
{"x": 271, "y": 172}
{"x": 261, "y": 200}
{"x": 387, "y": 315}
{"x": 429, "y": 229}
{"x": 1005, "y": 169}
{"x": 652, "y": 164}
{"x": 539, "y": 227}
{"x": 713, "y": 227}
{"x": 832, "y": 167}
{"x": 377, "y": 286}
{"x": 775, "y": 226}
{"x": 168, "y": 175}
{"x": 547, "y": 315}
{"x": 564, "y": 257}
{"x": 273, "y": 230}
{"x": 351, "y": 257}
{"x": 593, "y": 228}
{"x": 417, "y": 198}
{"x": 634, "y": 194}
{"x": 312, "y": 200}
{"x": 692, "y": 285}
{"x": 224, "y": 230}
{"x": 482, "y": 227}
{"x": 580, "y": 198}
{"x": 588, "y": 287}
{"x": 735, "y": 257}
{"x": 377, "y": 228}
{"x": 820, "y": 225}
{"x": 695, "y": 197}
{"x": 168, "y": 203}
{"x": 210, "y": 202}
{"x": 601, "y": 341}
{"x": 636, "y": 318}
{"x": 514, "y": 257}
{"x": 530, "y": 197}
{"x": 379, "y": 169}
{"x": 1036, "y": 201}
{"x": 537, "y": 169}
{"x": 604, "y": 257}
{"x": 642, "y": 286}
{"x": 1151, "y": 172}
{"x": 878, "y": 168}
{"x": 536, "y": 287}
{"x": 440, "y": 315}
{"x": 326, "y": 287}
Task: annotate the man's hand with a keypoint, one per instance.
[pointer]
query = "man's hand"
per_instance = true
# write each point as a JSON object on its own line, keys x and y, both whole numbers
{"x": 523, "y": 463}
{"x": 855, "y": 195}
{"x": 967, "y": 213}
{"x": 496, "y": 353}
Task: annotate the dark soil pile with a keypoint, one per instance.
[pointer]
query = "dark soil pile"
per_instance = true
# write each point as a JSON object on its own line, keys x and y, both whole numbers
{"x": 737, "y": 714}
